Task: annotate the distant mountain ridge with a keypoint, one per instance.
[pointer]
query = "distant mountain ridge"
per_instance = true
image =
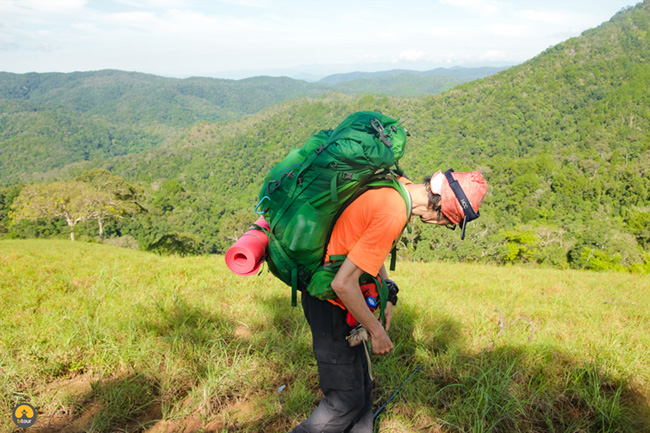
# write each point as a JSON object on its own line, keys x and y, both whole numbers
{"x": 129, "y": 96}
{"x": 48, "y": 120}
{"x": 460, "y": 73}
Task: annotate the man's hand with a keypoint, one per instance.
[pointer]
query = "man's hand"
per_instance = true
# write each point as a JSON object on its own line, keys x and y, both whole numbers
{"x": 381, "y": 344}
{"x": 346, "y": 287}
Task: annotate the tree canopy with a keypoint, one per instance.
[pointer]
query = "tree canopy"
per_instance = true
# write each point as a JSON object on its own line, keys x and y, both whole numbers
{"x": 562, "y": 141}
{"x": 95, "y": 195}
{"x": 73, "y": 201}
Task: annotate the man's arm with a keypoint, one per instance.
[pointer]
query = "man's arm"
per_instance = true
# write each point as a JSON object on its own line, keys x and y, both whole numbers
{"x": 346, "y": 287}
{"x": 383, "y": 273}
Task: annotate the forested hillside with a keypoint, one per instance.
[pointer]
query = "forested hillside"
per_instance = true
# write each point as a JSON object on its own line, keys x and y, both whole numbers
{"x": 50, "y": 120}
{"x": 562, "y": 140}
{"x": 406, "y": 84}
{"x": 140, "y": 98}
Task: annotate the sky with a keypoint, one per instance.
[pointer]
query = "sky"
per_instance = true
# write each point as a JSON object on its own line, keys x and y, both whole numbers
{"x": 303, "y": 39}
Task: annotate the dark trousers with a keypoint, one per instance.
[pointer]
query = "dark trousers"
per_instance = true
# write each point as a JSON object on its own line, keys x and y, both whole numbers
{"x": 342, "y": 373}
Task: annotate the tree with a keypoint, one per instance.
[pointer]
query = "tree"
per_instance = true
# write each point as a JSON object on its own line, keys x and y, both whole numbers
{"x": 7, "y": 196}
{"x": 116, "y": 198}
{"x": 74, "y": 201}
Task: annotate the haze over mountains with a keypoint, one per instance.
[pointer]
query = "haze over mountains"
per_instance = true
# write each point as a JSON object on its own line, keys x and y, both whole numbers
{"x": 562, "y": 140}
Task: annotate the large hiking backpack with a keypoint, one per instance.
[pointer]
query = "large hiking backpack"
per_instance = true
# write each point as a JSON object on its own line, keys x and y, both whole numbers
{"x": 304, "y": 193}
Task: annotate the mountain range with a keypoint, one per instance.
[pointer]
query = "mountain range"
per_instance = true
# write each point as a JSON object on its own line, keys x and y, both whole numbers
{"x": 53, "y": 119}
{"x": 561, "y": 139}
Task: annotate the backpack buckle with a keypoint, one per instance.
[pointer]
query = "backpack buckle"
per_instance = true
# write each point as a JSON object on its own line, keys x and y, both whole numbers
{"x": 320, "y": 149}
{"x": 379, "y": 128}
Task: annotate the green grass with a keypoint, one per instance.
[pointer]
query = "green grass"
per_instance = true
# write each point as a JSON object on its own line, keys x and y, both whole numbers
{"x": 177, "y": 341}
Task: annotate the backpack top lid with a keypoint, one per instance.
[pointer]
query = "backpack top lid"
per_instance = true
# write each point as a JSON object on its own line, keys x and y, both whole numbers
{"x": 385, "y": 130}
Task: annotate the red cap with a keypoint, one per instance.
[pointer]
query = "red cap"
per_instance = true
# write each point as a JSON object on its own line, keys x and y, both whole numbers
{"x": 472, "y": 184}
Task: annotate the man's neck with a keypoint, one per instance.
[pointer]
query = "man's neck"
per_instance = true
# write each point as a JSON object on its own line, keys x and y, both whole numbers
{"x": 419, "y": 197}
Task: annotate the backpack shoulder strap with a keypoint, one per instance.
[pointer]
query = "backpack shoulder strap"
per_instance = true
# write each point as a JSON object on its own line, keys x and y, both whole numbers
{"x": 406, "y": 195}
{"x": 391, "y": 181}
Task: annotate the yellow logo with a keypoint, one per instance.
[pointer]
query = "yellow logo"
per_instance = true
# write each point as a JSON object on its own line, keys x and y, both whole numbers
{"x": 24, "y": 415}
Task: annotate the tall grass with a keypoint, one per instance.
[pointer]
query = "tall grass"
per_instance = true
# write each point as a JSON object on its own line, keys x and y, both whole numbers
{"x": 178, "y": 339}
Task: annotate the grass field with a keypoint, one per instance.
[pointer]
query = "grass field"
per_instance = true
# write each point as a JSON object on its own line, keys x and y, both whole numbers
{"x": 103, "y": 339}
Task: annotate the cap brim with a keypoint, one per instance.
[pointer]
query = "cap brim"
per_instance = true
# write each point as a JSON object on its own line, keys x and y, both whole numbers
{"x": 436, "y": 182}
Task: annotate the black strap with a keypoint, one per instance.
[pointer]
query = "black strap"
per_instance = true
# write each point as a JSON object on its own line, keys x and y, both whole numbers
{"x": 468, "y": 211}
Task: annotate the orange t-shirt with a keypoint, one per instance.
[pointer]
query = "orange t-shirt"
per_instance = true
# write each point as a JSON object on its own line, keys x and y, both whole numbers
{"x": 367, "y": 228}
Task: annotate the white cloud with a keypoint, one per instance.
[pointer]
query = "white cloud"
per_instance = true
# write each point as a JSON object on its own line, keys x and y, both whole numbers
{"x": 48, "y": 6}
{"x": 136, "y": 19}
{"x": 248, "y": 3}
{"x": 489, "y": 7}
{"x": 155, "y": 4}
{"x": 508, "y": 30}
{"x": 447, "y": 32}
{"x": 548, "y": 17}
{"x": 494, "y": 55}
{"x": 410, "y": 56}
{"x": 199, "y": 36}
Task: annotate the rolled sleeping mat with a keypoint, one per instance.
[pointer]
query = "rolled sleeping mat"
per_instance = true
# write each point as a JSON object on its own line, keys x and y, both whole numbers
{"x": 246, "y": 255}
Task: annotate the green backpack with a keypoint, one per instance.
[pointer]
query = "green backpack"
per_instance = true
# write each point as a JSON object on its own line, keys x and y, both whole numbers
{"x": 304, "y": 193}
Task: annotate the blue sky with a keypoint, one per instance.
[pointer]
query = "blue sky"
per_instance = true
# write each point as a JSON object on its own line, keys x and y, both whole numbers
{"x": 239, "y": 38}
